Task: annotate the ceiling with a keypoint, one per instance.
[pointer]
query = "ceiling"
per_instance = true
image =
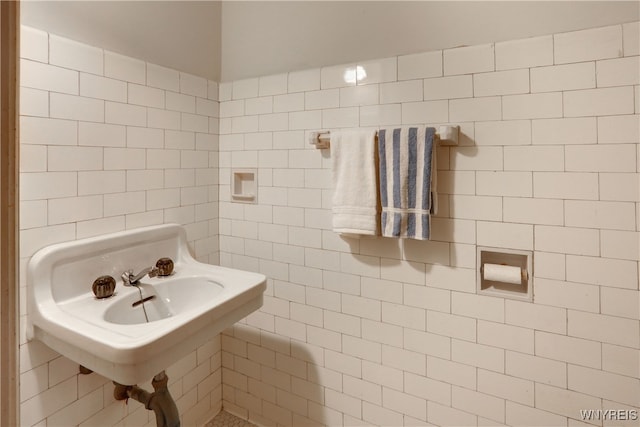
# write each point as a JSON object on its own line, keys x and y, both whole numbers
{"x": 231, "y": 40}
{"x": 184, "y": 35}
{"x": 269, "y": 37}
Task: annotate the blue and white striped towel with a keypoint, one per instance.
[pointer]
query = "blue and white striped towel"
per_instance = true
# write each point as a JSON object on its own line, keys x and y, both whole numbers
{"x": 407, "y": 181}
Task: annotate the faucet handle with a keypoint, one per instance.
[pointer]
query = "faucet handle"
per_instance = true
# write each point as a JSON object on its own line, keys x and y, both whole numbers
{"x": 164, "y": 266}
{"x": 103, "y": 287}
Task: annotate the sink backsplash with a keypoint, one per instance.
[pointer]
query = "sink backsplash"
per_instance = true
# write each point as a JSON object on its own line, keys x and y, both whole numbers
{"x": 85, "y": 269}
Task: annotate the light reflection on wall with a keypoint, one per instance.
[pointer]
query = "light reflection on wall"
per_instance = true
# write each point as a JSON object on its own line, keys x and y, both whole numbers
{"x": 353, "y": 75}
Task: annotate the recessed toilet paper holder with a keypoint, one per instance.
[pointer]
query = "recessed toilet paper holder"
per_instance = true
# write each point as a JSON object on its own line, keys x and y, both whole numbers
{"x": 524, "y": 275}
{"x": 506, "y": 273}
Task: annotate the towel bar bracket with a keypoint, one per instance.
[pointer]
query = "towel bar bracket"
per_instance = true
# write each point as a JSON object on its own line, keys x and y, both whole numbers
{"x": 447, "y": 135}
{"x": 320, "y": 139}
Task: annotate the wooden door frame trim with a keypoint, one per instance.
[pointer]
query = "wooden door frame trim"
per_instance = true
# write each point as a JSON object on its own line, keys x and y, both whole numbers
{"x": 9, "y": 234}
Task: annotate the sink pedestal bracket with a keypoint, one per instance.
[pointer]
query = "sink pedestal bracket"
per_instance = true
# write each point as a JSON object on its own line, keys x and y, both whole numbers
{"x": 160, "y": 401}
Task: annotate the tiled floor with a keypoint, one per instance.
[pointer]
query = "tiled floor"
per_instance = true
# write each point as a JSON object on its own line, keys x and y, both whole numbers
{"x": 225, "y": 419}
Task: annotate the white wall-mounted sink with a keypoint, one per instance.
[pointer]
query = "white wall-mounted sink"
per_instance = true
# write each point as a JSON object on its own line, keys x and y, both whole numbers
{"x": 112, "y": 335}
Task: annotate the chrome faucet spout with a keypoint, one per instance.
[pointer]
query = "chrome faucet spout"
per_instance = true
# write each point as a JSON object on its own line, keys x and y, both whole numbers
{"x": 128, "y": 278}
{"x": 151, "y": 271}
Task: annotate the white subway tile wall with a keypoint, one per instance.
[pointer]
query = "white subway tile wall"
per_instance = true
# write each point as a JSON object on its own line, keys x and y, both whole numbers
{"x": 386, "y": 332}
{"x": 371, "y": 331}
{"x": 104, "y": 148}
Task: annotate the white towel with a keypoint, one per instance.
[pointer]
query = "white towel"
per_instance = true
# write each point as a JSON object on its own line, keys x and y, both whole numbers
{"x": 407, "y": 181}
{"x": 354, "y": 181}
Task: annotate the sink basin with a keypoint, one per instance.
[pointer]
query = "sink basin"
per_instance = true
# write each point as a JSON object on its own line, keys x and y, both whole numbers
{"x": 164, "y": 298}
{"x": 112, "y": 336}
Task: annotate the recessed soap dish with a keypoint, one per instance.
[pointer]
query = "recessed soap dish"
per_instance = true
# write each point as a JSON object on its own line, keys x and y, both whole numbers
{"x": 244, "y": 186}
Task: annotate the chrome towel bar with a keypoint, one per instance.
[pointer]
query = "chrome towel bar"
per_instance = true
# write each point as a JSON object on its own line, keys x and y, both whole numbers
{"x": 446, "y": 135}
